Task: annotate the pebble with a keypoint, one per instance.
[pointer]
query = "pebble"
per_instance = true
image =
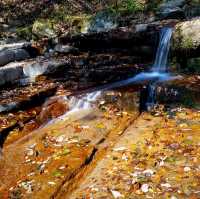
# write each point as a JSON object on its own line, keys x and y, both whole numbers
{"x": 124, "y": 157}
{"x": 148, "y": 172}
{"x": 173, "y": 197}
{"x": 120, "y": 149}
{"x": 166, "y": 185}
{"x": 51, "y": 183}
{"x": 145, "y": 188}
{"x": 116, "y": 194}
{"x": 60, "y": 139}
{"x": 186, "y": 169}
{"x": 30, "y": 152}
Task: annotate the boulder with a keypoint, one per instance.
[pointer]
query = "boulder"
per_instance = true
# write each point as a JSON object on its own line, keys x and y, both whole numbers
{"x": 14, "y": 52}
{"x": 18, "y": 71}
{"x": 186, "y": 37}
{"x": 172, "y": 9}
{"x": 43, "y": 67}
{"x": 10, "y": 73}
{"x": 12, "y": 46}
{"x": 44, "y": 28}
{"x": 13, "y": 55}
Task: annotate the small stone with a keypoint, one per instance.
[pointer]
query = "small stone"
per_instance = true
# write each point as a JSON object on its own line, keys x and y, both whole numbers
{"x": 60, "y": 139}
{"x": 94, "y": 189}
{"x": 32, "y": 146}
{"x": 124, "y": 157}
{"x": 145, "y": 188}
{"x": 187, "y": 169}
{"x": 161, "y": 163}
{"x": 120, "y": 149}
{"x": 183, "y": 125}
{"x": 173, "y": 197}
{"x": 148, "y": 172}
{"x": 51, "y": 183}
{"x": 166, "y": 185}
{"x": 116, "y": 194}
{"x": 30, "y": 152}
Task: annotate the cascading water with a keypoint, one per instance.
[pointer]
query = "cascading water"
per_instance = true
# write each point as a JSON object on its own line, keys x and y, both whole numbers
{"x": 157, "y": 74}
{"x": 160, "y": 64}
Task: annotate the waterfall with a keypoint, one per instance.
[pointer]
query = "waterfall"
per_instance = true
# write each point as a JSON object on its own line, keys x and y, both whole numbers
{"x": 160, "y": 63}
{"x": 83, "y": 104}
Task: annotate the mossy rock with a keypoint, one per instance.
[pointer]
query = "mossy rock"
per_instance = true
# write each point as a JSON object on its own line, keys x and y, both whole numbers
{"x": 44, "y": 28}
{"x": 187, "y": 35}
{"x": 78, "y": 24}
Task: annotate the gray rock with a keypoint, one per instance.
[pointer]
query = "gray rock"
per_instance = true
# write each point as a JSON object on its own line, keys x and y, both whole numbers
{"x": 192, "y": 11}
{"x": 12, "y": 46}
{"x": 13, "y": 52}
{"x": 141, "y": 27}
{"x": 173, "y": 4}
{"x": 43, "y": 28}
{"x": 17, "y": 71}
{"x": 172, "y": 9}
{"x": 103, "y": 21}
{"x": 7, "y": 56}
{"x": 65, "y": 49}
{"x": 43, "y": 67}
{"x": 10, "y": 73}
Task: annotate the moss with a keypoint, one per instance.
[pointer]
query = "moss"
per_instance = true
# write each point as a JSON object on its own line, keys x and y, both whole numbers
{"x": 181, "y": 40}
{"x": 127, "y": 7}
{"x": 187, "y": 43}
{"x": 24, "y": 32}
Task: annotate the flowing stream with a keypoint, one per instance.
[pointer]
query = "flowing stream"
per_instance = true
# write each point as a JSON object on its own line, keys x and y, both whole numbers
{"x": 158, "y": 73}
{"x": 160, "y": 64}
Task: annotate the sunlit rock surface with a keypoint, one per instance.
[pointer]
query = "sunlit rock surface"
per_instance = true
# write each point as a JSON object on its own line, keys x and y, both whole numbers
{"x": 187, "y": 36}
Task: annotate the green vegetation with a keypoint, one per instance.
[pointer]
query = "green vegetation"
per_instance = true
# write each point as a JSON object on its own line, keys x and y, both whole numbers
{"x": 187, "y": 43}
{"x": 24, "y": 32}
{"x": 127, "y": 6}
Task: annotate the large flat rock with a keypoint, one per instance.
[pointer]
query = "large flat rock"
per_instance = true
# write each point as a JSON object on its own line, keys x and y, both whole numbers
{"x": 29, "y": 69}
{"x": 14, "y": 52}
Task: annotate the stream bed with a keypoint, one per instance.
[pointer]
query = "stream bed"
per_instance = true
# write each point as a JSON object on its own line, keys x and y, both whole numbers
{"x": 100, "y": 127}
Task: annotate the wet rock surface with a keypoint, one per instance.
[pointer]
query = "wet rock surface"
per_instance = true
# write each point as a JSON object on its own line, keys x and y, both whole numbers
{"x": 66, "y": 132}
{"x": 56, "y": 153}
{"x": 152, "y": 159}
